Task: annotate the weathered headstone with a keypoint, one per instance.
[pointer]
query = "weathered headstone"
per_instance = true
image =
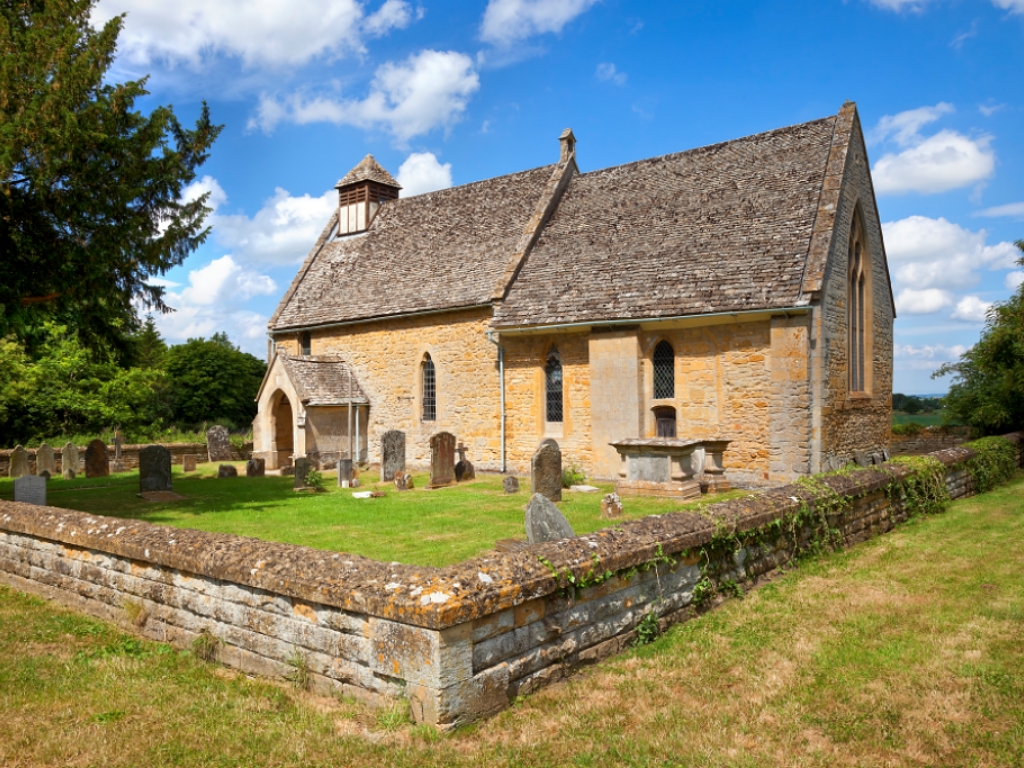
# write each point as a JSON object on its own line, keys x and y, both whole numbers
{"x": 218, "y": 444}
{"x": 546, "y": 471}
{"x": 44, "y": 460}
{"x": 154, "y": 469}
{"x": 97, "y": 462}
{"x": 45, "y": 473}
{"x": 69, "y": 460}
{"x": 510, "y": 484}
{"x": 188, "y": 462}
{"x": 346, "y": 473}
{"x": 256, "y": 468}
{"x": 30, "y": 489}
{"x": 611, "y": 505}
{"x": 227, "y": 470}
{"x": 862, "y": 458}
{"x": 544, "y": 521}
{"x": 464, "y": 468}
{"x": 302, "y": 466}
{"x": 392, "y": 454}
{"x": 19, "y": 462}
{"x": 885, "y": 454}
{"x": 118, "y": 465}
{"x": 442, "y": 459}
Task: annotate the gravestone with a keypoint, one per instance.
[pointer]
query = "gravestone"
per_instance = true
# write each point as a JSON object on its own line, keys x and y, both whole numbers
{"x": 442, "y": 459}
{"x": 346, "y": 473}
{"x": 510, "y": 484}
{"x": 30, "y": 489}
{"x": 97, "y": 462}
{"x": 392, "y": 454}
{"x": 19, "y": 462}
{"x": 69, "y": 460}
{"x": 188, "y": 462}
{"x": 44, "y": 460}
{"x": 45, "y": 474}
{"x": 546, "y": 471}
{"x": 154, "y": 469}
{"x": 218, "y": 445}
{"x": 256, "y": 468}
{"x": 117, "y": 465}
{"x": 862, "y": 458}
{"x": 227, "y": 470}
{"x": 611, "y": 505}
{"x": 464, "y": 469}
{"x": 544, "y": 521}
{"x": 302, "y": 466}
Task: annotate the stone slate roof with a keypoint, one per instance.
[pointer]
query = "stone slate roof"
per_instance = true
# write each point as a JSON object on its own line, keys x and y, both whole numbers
{"x": 323, "y": 380}
{"x": 717, "y": 229}
{"x": 439, "y": 250}
{"x": 368, "y": 170}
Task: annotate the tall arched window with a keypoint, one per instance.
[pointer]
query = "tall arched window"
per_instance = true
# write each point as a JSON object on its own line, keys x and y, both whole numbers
{"x": 429, "y": 389}
{"x": 859, "y": 314}
{"x": 305, "y": 344}
{"x": 553, "y": 386}
{"x": 664, "y": 370}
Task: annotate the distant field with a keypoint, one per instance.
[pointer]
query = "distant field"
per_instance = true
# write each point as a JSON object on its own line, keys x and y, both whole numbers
{"x": 924, "y": 419}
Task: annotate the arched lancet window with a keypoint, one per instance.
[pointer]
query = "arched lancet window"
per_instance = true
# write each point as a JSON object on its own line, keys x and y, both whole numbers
{"x": 553, "y": 386}
{"x": 859, "y": 314}
{"x": 305, "y": 344}
{"x": 664, "y": 370}
{"x": 429, "y": 379}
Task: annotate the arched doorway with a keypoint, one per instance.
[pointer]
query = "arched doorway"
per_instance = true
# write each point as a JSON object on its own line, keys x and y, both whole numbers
{"x": 283, "y": 420}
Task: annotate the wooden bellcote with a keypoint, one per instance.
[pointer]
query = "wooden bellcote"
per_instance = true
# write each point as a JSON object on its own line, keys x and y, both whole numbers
{"x": 360, "y": 194}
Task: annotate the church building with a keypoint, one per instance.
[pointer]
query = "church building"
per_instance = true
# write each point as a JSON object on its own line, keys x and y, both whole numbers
{"x": 737, "y": 291}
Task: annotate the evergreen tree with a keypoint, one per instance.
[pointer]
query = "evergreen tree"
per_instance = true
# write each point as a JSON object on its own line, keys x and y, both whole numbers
{"x": 90, "y": 189}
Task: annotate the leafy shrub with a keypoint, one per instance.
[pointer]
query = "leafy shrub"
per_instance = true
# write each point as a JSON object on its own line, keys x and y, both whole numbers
{"x": 994, "y": 464}
{"x": 910, "y": 428}
{"x": 573, "y": 475}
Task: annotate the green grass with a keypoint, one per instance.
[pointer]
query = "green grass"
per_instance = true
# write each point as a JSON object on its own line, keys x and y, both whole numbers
{"x": 418, "y": 527}
{"x": 924, "y": 419}
{"x": 905, "y": 651}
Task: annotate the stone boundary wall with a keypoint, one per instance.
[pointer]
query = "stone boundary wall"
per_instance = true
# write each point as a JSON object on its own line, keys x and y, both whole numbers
{"x": 928, "y": 440}
{"x": 129, "y": 454}
{"x": 460, "y": 642}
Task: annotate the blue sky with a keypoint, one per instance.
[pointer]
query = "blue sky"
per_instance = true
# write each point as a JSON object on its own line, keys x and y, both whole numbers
{"x": 447, "y": 93}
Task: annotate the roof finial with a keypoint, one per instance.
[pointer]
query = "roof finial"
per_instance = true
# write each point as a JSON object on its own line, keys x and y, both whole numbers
{"x": 568, "y": 144}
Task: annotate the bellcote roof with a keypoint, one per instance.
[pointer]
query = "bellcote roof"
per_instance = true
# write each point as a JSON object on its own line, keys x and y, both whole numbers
{"x": 368, "y": 170}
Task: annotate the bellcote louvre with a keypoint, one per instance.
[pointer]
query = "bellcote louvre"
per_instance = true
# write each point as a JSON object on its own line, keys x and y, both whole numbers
{"x": 360, "y": 194}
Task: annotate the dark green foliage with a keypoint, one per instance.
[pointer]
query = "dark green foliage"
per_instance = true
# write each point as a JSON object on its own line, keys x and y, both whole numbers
{"x": 212, "y": 380}
{"x": 907, "y": 429}
{"x": 90, "y": 188}
{"x": 914, "y": 404}
{"x": 988, "y": 385}
{"x": 995, "y": 463}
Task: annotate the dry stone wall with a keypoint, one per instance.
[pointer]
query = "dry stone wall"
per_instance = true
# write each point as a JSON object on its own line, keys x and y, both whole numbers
{"x": 462, "y": 641}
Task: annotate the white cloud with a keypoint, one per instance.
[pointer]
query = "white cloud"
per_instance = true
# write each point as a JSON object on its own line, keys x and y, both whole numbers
{"x": 199, "y": 188}
{"x": 925, "y": 358}
{"x": 429, "y": 90}
{"x": 936, "y": 253}
{"x": 1014, "y": 280}
{"x": 1013, "y": 6}
{"x": 1010, "y": 209}
{"x": 422, "y": 172}
{"x": 270, "y": 33}
{"x": 972, "y": 309}
{"x": 281, "y": 232}
{"x": 608, "y": 72}
{"x": 508, "y": 21}
{"x": 990, "y": 109}
{"x": 911, "y": 302}
{"x": 900, "y": 5}
{"x": 223, "y": 281}
{"x": 946, "y": 160}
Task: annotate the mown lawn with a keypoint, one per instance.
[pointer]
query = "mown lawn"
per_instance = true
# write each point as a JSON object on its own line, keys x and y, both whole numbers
{"x": 906, "y": 651}
{"x": 418, "y": 527}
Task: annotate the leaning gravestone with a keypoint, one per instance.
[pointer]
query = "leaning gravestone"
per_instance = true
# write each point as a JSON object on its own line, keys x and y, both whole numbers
{"x": 510, "y": 484}
{"x": 69, "y": 461}
{"x": 442, "y": 459}
{"x": 227, "y": 470}
{"x": 30, "y": 490}
{"x": 544, "y": 521}
{"x": 302, "y": 466}
{"x": 218, "y": 443}
{"x": 546, "y": 471}
{"x": 464, "y": 469}
{"x": 154, "y": 469}
{"x": 19, "y": 462}
{"x": 256, "y": 468}
{"x": 188, "y": 462}
{"x": 44, "y": 460}
{"x": 392, "y": 454}
{"x": 97, "y": 463}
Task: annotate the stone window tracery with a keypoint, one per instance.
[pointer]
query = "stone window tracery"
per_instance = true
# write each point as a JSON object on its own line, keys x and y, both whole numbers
{"x": 664, "y": 370}
{"x": 553, "y": 386}
{"x": 429, "y": 380}
{"x": 858, "y": 291}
